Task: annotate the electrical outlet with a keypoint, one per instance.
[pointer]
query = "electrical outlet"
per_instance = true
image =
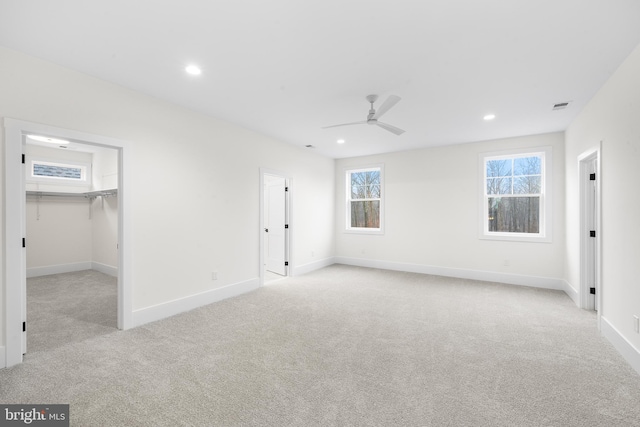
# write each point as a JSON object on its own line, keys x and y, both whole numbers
{"x": 214, "y": 275}
{"x": 506, "y": 263}
{"x": 636, "y": 324}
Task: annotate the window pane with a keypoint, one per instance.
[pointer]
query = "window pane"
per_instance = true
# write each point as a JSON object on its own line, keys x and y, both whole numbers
{"x": 514, "y": 214}
{"x": 365, "y": 214}
{"x": 499, "y": 186}
{"x": 527, "y": 165}
{"x": 527, "y": 184}
{"x": 40, "y": 169}
{"x": 499, "y": 167}
{"x": 365, "y": 185}
{"x": 373, "y": 192}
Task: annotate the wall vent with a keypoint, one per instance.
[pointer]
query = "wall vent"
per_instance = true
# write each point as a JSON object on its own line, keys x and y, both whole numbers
{"x": 560, "y": 106}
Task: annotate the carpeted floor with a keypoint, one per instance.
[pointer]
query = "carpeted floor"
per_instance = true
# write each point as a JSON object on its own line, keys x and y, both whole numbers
{"x": 345, "y": 346}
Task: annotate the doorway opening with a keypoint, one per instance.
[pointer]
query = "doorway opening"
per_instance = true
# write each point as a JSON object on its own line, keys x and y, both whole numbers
{"x": 15, "y": 229}
{"x": 590, "y": 230}
{"x": 275, "y": 226}
{"x": 72, "y": 234}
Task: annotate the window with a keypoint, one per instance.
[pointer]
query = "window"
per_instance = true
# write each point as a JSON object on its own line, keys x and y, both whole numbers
{"x": 364, "y": 199}
{"x": 516, "y": 201}
{"x": 58, "y": 172}
{"x": 53, "y": 170}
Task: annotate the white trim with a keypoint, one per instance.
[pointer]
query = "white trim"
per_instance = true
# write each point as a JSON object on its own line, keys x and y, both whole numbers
{"x": 583, "y": 159}
{"x": 109, "y": 270}
{"x": 14, "y": 227}
{"x": 3, "y": 363}
{"x": 312, "y": 266}
{"x": 621, "y": 344}
{"x": 288, "y": 218}
{"x": 487, "y": 276}
{"x": 57, "y": 269}
{"x": 347, "y": 206}
{"x": 545, "y": 234}
{"x": 571, "y": 291}
{"x": 181, "y": 305}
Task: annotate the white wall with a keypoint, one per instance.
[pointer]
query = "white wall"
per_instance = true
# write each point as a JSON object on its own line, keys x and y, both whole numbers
{"x": 196, "y": 179}
{"x": 104, "y": 234}
{"x": 72, "y": 233}
{"x": 612, "y": 118}
{"x": 58, "y": 234}
{"x": 432, "y": 212}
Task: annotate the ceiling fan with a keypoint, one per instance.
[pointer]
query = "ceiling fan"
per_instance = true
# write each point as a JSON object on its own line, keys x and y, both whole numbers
{"x": 372, "y": 118}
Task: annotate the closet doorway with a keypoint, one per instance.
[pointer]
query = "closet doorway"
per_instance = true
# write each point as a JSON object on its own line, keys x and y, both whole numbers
{"x": 15, "y": 228}
{"x": 71, "y": 221}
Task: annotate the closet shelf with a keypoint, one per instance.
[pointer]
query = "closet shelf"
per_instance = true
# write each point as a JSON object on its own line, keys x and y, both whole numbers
{"x": 86, "y": 194}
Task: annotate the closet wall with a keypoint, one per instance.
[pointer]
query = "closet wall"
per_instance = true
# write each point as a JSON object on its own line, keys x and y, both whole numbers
{"x": 72, "y": 233}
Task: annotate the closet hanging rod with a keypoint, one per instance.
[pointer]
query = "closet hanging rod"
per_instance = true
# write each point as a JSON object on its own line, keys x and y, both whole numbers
{"x": 87, "y": 194}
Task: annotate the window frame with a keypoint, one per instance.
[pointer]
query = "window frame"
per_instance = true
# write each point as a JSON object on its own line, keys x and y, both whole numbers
{"x": 85, "y": 167}
{"x": 363, "y": 230}
{"x": 544, "y": 234}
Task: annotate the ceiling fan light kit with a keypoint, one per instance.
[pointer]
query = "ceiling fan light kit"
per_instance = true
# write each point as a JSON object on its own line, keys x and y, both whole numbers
{"x": 373, "y": 116}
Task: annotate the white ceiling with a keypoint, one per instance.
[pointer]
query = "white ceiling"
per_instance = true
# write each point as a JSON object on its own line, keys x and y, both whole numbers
{"x": 286, "y": 68}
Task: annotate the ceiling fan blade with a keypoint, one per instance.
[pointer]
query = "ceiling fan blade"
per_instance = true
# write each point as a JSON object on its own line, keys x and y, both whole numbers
{"x": 390, "y": 128}
{"x": 345, "y": 124}
{"x": 386, "y": 105}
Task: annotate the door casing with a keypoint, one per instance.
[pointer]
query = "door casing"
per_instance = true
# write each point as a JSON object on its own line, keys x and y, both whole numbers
{"x": 587, "y": 211}
{"x": 14, "y": 280}
{"x": 288, "y": 220}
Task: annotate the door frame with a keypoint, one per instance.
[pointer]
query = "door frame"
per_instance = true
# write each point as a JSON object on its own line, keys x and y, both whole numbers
{"x": 584, "y": 160}
{"x": 14, "y": 228}
{"x": 288, "y": 220}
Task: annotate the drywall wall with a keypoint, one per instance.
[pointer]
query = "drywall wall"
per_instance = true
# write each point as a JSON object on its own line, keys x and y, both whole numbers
{"x": 72, "y": 233}
{"x": 432, "y": 208}
{"x": 58, "y": 234}
{"x": 195, "y": 179}
{"x": 58, "y": 228}
{"x": 611, "y": 119}
{"x": 104, "y": 210}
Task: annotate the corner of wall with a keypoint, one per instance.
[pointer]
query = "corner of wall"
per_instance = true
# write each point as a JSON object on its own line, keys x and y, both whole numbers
{"x": 621, "y": 344}
{"x": 312, "y": 266}
{"x": 571, "y": 292}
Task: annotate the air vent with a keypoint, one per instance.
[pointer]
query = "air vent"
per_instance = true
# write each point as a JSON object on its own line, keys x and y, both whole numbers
{"x": 560, "y": 106}
{"x": 310, "y": 146}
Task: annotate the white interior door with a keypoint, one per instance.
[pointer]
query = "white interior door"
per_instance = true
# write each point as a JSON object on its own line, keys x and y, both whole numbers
{"x": 275, "y": 220}
{"x": 591, "y": 219}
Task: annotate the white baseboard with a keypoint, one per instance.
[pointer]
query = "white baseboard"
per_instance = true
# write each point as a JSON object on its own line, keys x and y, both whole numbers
{"x": 3, "y": 359}
{"x": 104, "y": 268}
{"x": 569, "y": 290}
{"x": 309, "y": 267}
{"x": 171, "y": 308}
{"x": 487, "y": 276}
{"x": 57, "y": 269}
{"x": 624, "y": 347}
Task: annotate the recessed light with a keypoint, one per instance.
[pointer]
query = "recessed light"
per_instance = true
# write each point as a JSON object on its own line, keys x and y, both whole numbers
{"x": 194, "y": 70}
{"x": 47, "y": 139}
{"x": 340, "y": 141}
{"x": 489, "y": 117}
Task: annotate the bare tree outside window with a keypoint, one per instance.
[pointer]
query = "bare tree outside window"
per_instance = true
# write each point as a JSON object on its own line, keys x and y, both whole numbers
{"x": 513, "y": 191}
{"x": 365, "y": 197}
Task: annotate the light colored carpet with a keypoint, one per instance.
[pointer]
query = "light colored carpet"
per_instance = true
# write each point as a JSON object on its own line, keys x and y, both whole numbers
{"x": 346, "y": 346}
{"x": 70, "y": 307}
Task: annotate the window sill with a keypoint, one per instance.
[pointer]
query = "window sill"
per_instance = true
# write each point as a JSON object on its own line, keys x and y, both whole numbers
{"x": 516, "y": 237}
{"x": 375, "y": 231}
